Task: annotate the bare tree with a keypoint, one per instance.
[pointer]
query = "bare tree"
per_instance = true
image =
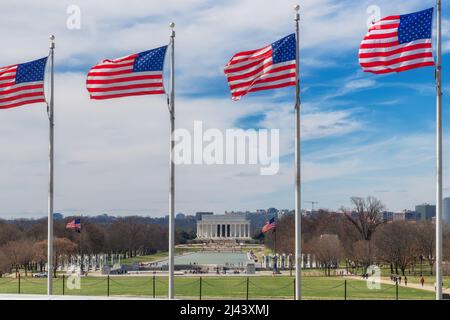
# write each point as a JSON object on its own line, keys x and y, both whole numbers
{"x": 366, "y": 216}
{"x": 5, "y": 263}
{"x": 284, "y": 233}
{"x": 9, "y": 232}
{"x": 93, "y": 238}
{"x": 20, "y": 254}
{"x": 37, "y": 231}
{"x": 127, "y": 236}
{"x": 362, "y": 253}
{"x": 396, "y": 244}
{"x": 446, "y": 241}
{"x": 426, "y": 238}
{"x": 61, "y": 247}
{"x": 328, "y": 251}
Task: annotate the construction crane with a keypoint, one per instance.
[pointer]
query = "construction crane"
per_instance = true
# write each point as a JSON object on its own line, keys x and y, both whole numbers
{"x": 312, "y": 204}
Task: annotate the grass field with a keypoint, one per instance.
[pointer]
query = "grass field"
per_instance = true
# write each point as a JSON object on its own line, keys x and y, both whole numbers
{"x": 263, "y": 287}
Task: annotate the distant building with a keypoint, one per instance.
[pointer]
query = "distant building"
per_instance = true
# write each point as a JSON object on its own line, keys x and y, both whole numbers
{"x": 198, "y": 215}
{"x": 447, "y": 210}
{"x": 234, "y": 212}
{"x": 398, "y": 216}
{"x": 411, "y": 215}
{"x": 405, "y": 215}
{"x": 426, "y": 211}
{"x": 219, "y": 227}
{"x": 388, "y": 216}
{"x": 283, "y": 212}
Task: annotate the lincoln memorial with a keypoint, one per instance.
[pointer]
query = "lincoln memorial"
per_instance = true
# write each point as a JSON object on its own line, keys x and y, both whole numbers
{"x": 220, "y": 227}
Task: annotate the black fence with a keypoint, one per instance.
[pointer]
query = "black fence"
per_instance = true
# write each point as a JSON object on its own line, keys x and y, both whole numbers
{"x": 213, "y": 287}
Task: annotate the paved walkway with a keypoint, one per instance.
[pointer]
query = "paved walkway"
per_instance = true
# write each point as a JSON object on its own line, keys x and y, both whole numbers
{"x": 426, "y": 287}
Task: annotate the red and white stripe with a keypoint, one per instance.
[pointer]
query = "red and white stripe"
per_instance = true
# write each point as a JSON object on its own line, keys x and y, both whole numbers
{"x": 380, "y": 51}
{"x": 72, "y": 225}
{"x": 268, "y": 226}
{"x": 14, "y": 95}
{"x": 115, "y": 78}
{"x": 254, "y": 70}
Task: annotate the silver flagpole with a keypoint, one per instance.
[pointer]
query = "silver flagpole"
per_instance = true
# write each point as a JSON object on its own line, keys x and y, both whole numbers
{"x": 439, "y": 154}
{"x": 298, "y": 212}
{"x": 50, "y": 184}
{"x": 172, "y": 166}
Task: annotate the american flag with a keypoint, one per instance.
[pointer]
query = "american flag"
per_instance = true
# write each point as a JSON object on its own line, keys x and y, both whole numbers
{"x": 271, "y": 224}
{"x": 74, "y": 224}
{"x": 133, "y": 75}
{"x": 398, "y": 43}
{"x": 270, "y": 67}
{"x": 22, "y": 84}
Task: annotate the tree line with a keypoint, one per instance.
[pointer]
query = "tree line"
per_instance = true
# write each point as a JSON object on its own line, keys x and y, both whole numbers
{"x": 360, "y": 238}
{"x": 357, "y": 236}
{"x": 23, "y": 243}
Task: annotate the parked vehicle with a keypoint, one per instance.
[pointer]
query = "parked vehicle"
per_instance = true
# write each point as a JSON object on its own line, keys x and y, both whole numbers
{"x": 40, "y": 275}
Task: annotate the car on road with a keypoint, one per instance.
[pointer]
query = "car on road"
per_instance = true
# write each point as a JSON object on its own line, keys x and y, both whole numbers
{"x": 40, "y": 275}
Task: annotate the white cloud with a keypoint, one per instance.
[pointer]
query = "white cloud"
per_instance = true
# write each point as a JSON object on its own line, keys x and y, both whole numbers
{"x": 113, "y": 154}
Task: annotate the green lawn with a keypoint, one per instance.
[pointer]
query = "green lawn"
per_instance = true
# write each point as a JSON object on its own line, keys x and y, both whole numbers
{"x": 263, "y": 287}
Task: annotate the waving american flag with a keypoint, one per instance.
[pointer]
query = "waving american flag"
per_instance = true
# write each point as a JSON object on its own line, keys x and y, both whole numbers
{"x": 136, "y": 74}
{"x": 271, "y": 224}
{"x": 398, "y": 43}
{"x": 74, "y": 224}
{"x": 22, "y": 84}
{"x": 270, "y": 67}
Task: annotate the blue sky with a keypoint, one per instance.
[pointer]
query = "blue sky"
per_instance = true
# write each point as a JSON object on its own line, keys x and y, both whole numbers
{"x": 362, "y": 134}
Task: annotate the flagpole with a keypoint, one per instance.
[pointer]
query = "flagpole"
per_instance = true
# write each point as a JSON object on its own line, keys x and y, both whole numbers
{"x": 439, "y": 154}
{"x": 172, "y": 166}
{"x": 50, "y": 185}
{"x": 81, "y": 250}
{"x": 298, "y": 213}
{"x": 275, "y": 249}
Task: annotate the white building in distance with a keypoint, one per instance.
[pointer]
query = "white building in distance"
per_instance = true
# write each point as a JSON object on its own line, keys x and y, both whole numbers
{"x": 221, "y": 227}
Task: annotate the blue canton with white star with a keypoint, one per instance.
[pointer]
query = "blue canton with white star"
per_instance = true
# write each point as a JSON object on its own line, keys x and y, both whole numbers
{"x": 151, "y": 60}
{"x": 415, "y": 26}
{"x": 284, "y": 49}
{"x": 31, "y": 71}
